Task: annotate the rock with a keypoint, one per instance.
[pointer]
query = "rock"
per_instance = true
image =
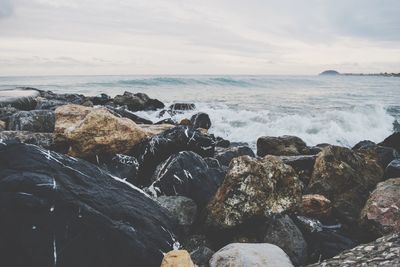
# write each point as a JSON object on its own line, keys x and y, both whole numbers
{"x": 393, "y": 169}
{"x": 221, "y": 142}
{"x": 155, "y": 129}
{"x": 250, "y": 255}
{"x": 67, "y": 98}
{"x": 281, "y": 146}
{"x": 392, "y": 141}
{"x": 185, "y": 122}
{"x": 96, "y": 133}
{"x": 285, "y": 234}
{"x": 2, "y": 125}
{"x": 166, "y": 121}
{"x": 182, "y": 208}
{"x": 101, "y": 99}
{"x": 122, "y": 166}
{"x": 152, "y": 151}
{"x": 303, "y": 165}
{"x": 316, "y": 206}
{"x": 381, "y": 213}
{"x": 253, "y": 189}
{"x": 126, "y": 113}
{"x": 87, "y": 103}
{"x": 201, "y": 120}
{"x": 196, "y": 241}
{"x": 59, "y": 210}
{"x": 383, "y": 155}
{"x": 22, "y": 99}
{"x": 225, "y": 155}
{"x": 137, "y": 102}
{"x": 201, "y": 256}
{"x": 182, "y": 106}
{"x": 51, "y": 104}
{"x": 345, "y": 177}
{"x": 177, "y": 258}
{"x": 364, "y": 144}
{"x": 324, "y": 241}
{"x": 45, "y": 140}
{"x": 384, "y": 251}
{"x": 33, "y": 121}
{"x": 186, "y": 174}
{"x": 6, "y": 113}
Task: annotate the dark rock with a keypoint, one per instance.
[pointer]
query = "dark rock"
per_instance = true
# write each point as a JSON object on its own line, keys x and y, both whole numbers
{"x": 383, "y": 155}
{"x": 284, "y": 233}
{"x": 384, "y": 251}
{"x": 2, "y": 125}
{"x": 364, "y": 144}
{"x": 225, "y": 155}
{"x": 201, "y": 256}
{"x": 182, "y": 106}
{"x": 303, "y": 165}
{"x": 22, "y": 99}
{"x": 393, "y": 169}
{"x": 6, "y": 113}
{"x": 126, "y": 113}
{"x": 314, "y": 150}
{"x": 181, "y": 208}
{"x": 281, "y": 146}
{"x": 137, "y": 102}
{"x": 253, "y": 189}
{"x": 45, "y": 140}
{"x": 381, "y": 213}
{"x": 154, "y": 150}
{"x": 392, "y": 141}
{"x": 221, "y": 142}
{"x": 58, "y": 210}
{"x": 120, "y": 165}
{"x": 51, "y": 104}
{"x": 68, "y": 98}
{"x": 33, "y": 121}
{"x": 101, "y": 99}
{"x": 329, "y": 73}
{"x": 196, "y": 241}
{"x": 324, "y": 241}
{"x": 201, "y": 120}
{"x": 345, "y": 177}
{"x": 186, "y": 174}
{"x": 166, "y": 121}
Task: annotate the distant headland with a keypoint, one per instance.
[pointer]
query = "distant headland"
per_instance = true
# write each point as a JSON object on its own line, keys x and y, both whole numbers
{"x": 334, "y": 72}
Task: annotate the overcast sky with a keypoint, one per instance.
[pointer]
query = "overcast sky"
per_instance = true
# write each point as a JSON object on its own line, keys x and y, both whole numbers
{"x": 43, "y": 37}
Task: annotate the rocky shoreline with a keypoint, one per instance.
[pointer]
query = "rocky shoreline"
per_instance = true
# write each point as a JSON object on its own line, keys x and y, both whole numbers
{"x": 84, "y": 181}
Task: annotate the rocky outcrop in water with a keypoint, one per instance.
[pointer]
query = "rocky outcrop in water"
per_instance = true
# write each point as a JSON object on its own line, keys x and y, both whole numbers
{"x": 136, "y": 102}
{"x": 281, "y": 146}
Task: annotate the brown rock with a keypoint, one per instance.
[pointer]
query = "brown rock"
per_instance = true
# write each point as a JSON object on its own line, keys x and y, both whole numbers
{"x": 177, "y": 258}
{"x": 345, "y": 177}
{"x": 154, "y": 129}
{"x": 185, "y": 122}
{"x": 381, "y": 213}
{"x": 95, "y": 131}
{"x": 252, "y": 189}
{"x": 2, "y": 125}
{"x": 316, "y": 206}
{"x": 281, "y": 146}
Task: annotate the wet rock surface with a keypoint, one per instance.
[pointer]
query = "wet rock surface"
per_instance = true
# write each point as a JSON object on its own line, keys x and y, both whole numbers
{"x": 22, "y": 99}
{"x": 281, "y": 146}
{"x": 225, "y": 155}
{"x": 201, "y": 120}
{"x": 33, "y": 121}
{"x": 393, "y": 169}
{"x": 45, "y": 140}
{"x": 182, "y": 208}
{"x": 137, "y": 102}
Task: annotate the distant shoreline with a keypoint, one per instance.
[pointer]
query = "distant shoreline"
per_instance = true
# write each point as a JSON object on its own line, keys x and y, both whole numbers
{"x": 334, "y": 72}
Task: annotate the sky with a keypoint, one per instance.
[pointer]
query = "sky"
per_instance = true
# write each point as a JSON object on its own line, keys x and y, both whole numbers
{"x": 118, "y": 37}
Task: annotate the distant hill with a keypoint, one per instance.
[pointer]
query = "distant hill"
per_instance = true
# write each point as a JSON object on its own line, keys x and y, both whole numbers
{"x": 329, "y": 72}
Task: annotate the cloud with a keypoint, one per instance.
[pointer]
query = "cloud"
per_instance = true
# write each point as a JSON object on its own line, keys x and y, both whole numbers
{"x": 6, "y": 8}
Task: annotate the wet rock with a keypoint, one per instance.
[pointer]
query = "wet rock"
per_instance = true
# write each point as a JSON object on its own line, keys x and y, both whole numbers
{"x": 285, "y": 234}
{"x": 137, "y": 102}
{"x": 2, "y": 126}
{"x": 186, "y": 174}
{"x": 68, "y": 98}
{"x": 122, "y": 166}
{"x": 393, "y": 169}
{"x": 383, "y": 155}
{"x": 154, "y": 150}
{"x": 51, "y": 104}
{"x": 22, "y": 99}
{"x": 181, "y": 208}
{"x": 6, "y": 113}
{"x": 221, "y": 142}
{"x": 45, "y": 140}
{"x": 101, "y": 99}
{"x": 201, "y": 256}
{"x": 196, "y": 241}
{"x": 253, "y": 189}
{"x": 364, "y": 144}
{"x": 33, "y": 121}
{"x": 392, "y": 141}
{"x": 177, "y": 258}
{"x": 59, "y": 210}
{"x": 303, "y": 165}
{"x": 182, "y": 106}
{"x": 381, "y": 213}
{"x": 155, "y": 129}
{"x": 126, "y": 113}
{"x": 201, "y": 120}
{"x": 95, "y": 131}
{"x": 250, "y": 255}
{"x": 384, "y": 251}
{"x": 345, "y": 177}
{"x": 225, "y": 155}
{"x": 166, "y": 121}
{"x": 185, "y": 122}
{"x": 281, "y": 146}
{"x": 316, "y": 206}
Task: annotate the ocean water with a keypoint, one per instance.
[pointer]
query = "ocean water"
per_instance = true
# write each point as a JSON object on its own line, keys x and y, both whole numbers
{"x": 319, "y": 109}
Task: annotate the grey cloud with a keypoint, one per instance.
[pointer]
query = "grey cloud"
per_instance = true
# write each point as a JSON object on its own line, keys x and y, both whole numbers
{"x": 6, "y": 8}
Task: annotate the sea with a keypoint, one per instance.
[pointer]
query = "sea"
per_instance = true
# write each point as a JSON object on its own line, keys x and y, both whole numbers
{"x": 340, "y": 110}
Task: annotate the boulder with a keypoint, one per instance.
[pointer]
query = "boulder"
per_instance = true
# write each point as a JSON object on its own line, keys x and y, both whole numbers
{"x": 201, "y": 256}
{"x": 201, "y": 120}
{"x": 186, "y": 174}
{"x": 45, "y": 140}
{"x": 181, "y": 208}
{"x": 393, "y": 169}
{"x": 2, "y": 126}
{"x": 302, "y": 164}
{"x": 67, "y": 98}
{"x": 33, "y": 121}
{"x": 177, "y": 258}
{"x": 383, "y": 155}
{"x": 253, "y": 189}
{"x": 101, "y": 99}
{"x": 363, "y": 144}
{"x": 221, "y": 142}
{"x": 250, "y": 255}
{"x": 392, "y": 141}
{"x": 182, "y": 106}
{"x": 61, "y": 211}
{"x": 137, "y": 102}
{"x": 381, "y": 213}
{"x": 281, "y": 146}
{"x": 22, "y": 99}
{"x": 283, "y": 232}
{"x": 95, "y": 131}
{"x": 120, "y": 165}
{"x": 51, "y": 104}
{"x": 156, "y": 149}
{"x": 384, "y": 251}
{"x": 185, "y": 122}
{"x": 126, "y": 113}
{"x": 225, "y": 155}
{"x": 6, "y": 112}
{"x": 155, "y": 129}
{"x": 166, "y": 121}
{"x": 345, "y": 177}
{"x": 316, "y": 206}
